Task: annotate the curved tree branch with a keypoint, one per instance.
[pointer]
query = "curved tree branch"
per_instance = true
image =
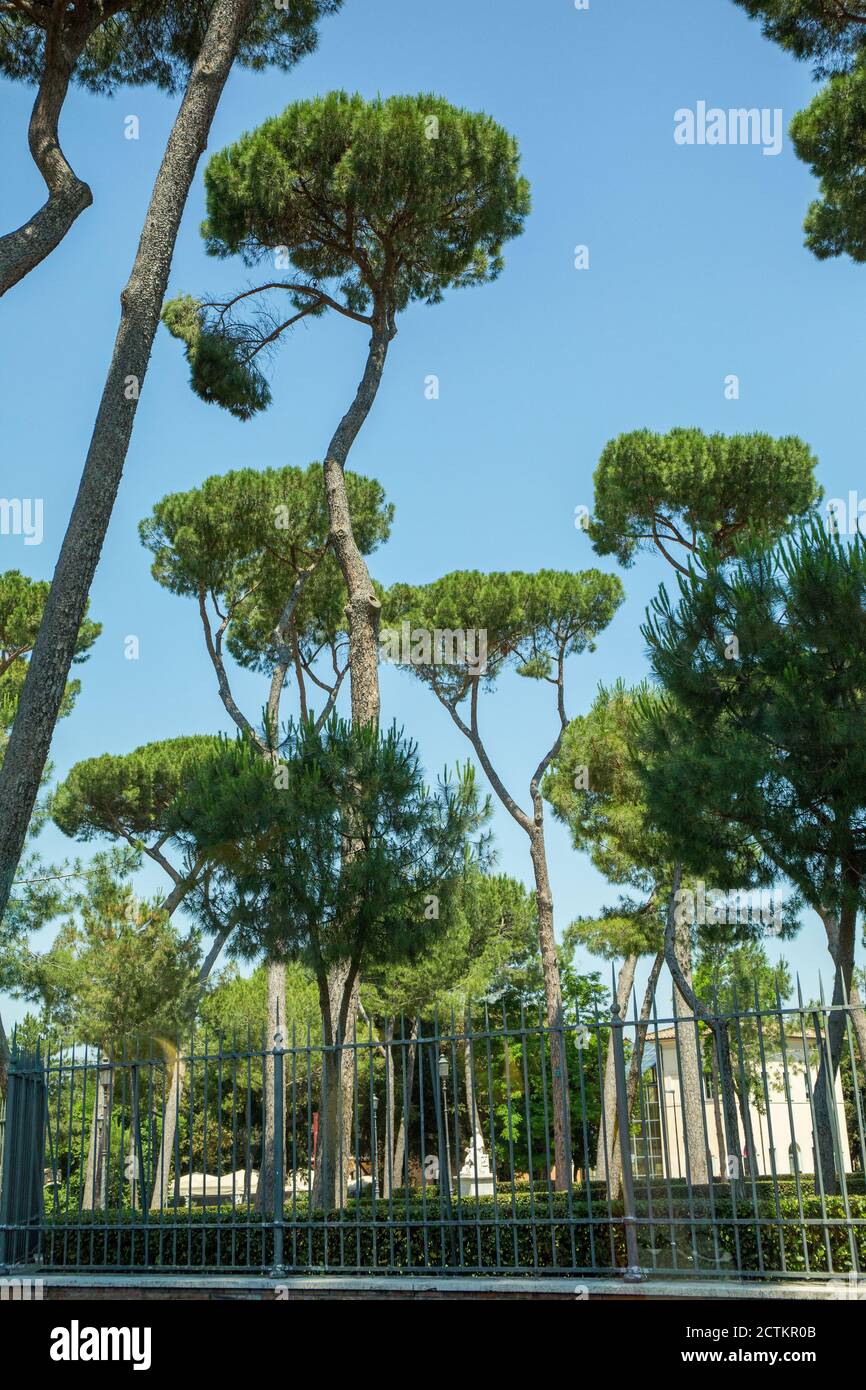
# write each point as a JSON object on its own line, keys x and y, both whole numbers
{"x": 22, "y": 250}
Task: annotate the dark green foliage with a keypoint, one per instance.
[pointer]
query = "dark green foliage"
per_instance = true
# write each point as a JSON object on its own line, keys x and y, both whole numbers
{"x": 358, "y": 193}
{"x": 764, "y": 737}
{"x": 128, "y": 794}
{"x": 245, "y": 538}
{"x": 276, "y": 837}
{"x": 22, "y": 601}
{"x": 829, "y": 31}
{"x": 830, "y": 136}
{"x": 519, "y": 1232}
{"x": 532, "y": 622}
{"x": 670, "y": 491}
{"x": 137, "y": 42}
{"x": 372, "y": 205}
{"x": 218, "y": 371}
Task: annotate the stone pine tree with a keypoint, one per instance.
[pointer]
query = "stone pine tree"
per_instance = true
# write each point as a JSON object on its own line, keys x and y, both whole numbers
{"x": 251, "y": 550}
{"x": 22, "y": 603}
{"x": 674, "y": 494}
{"x": 763, "y": 661}
{"x": 830, "y": 134}
{"x": 279, "y": 841}
{"x": 369, "y": 206}
{"x": 101, "y": 45}
{"x": 208, "y": 46}
{"x": 459, "y": 635}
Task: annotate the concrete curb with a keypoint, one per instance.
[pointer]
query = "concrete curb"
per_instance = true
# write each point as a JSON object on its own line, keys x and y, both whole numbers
{"x": 67, "y": 1287}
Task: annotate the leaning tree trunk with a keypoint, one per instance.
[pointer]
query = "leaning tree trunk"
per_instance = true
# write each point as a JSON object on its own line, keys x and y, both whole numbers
{"x": 22, "y": 250}
{"x": 362, "y": 611}
{"x": 141, "y": 302}
{"x": 634, "y": 1071}
{"x": 553, "y": 1004}
{"x": 402, "y": 1128}
{"x": 607, "y": 1134}
{"x": 363, "y": 608}
{"x": 159, "y": 1194}
{"x": 268, "y": 1200}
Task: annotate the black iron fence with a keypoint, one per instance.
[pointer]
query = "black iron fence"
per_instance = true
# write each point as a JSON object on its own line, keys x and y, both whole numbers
{"x": 731, "y": 1146}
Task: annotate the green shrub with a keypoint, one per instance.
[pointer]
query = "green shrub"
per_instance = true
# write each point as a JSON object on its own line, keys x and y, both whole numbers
{"x": 522, "y": 1233}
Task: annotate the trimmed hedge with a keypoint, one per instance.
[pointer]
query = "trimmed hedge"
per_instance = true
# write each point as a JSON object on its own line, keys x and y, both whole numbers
{"x": 520, "y": 1234}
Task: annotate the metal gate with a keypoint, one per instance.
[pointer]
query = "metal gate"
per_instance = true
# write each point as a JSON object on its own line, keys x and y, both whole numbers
{"x": 23, "y": 1170}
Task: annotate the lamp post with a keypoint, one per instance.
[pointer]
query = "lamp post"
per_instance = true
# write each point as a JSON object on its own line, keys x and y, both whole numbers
{"x": 375, "y": 1149}
{"x": 443, "y": 1077}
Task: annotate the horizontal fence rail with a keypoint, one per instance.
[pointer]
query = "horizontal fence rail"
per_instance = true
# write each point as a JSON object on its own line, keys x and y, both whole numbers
{"x": 726, "y": 1146}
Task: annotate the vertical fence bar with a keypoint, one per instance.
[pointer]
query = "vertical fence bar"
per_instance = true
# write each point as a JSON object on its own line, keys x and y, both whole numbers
{"x": 279, "y": 1154}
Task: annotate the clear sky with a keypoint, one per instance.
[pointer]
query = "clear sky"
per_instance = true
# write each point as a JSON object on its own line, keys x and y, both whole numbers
{"x": 697, "y": 270}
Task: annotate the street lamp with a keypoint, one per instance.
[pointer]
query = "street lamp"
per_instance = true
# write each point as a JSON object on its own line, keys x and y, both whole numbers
{"x": 443, "y": 1077}
{"x": 375, "y": 1148}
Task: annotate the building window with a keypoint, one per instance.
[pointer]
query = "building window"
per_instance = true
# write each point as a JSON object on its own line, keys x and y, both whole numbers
{"x": 646, "y": 1136}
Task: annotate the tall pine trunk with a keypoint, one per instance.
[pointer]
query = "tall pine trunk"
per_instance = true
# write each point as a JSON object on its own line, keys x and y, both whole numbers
{"x": 362, "y": 611}
{"x": 634, "y": 1071}
{"x": 607, "y": 1134}
{"x": 141, "y": 303}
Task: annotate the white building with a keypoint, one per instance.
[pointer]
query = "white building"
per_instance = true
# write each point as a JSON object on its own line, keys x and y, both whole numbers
{"x": 782, "y": 1125}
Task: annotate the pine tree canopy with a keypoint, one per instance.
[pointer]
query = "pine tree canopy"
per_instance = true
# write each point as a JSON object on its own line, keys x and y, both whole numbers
{"x": 138, "y": 42}
{"x": 489, "y": 920}
{"x": 763, "y": 667}
{"x": 531, "y": 622}
{"x": 372, "y": 205}
{"x": 672, "y": 490}
{"x": 830, "y": 136}
{"x": 22, "y": 602}
{"x": 246, "y": 538}
{"x": 276, "y": 840}
{"x": 595, "y": 787}
{"x": 129, "y": 794}
{"x": 832, "y": 32}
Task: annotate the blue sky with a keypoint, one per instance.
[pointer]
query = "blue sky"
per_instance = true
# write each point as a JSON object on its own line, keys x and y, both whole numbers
{"x": 697, "y": 270}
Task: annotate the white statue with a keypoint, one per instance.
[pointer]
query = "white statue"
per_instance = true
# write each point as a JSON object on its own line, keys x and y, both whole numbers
{"x": 476, "y": 1163}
